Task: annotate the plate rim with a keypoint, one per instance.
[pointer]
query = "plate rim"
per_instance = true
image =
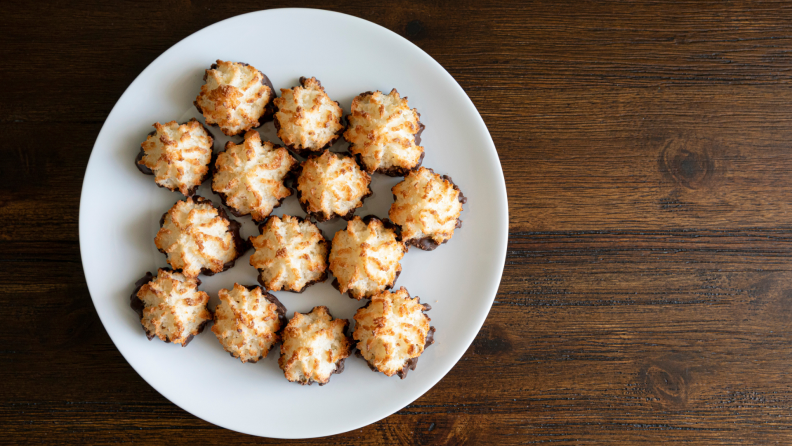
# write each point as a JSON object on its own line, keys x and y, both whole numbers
{"x": 502, "y": 233}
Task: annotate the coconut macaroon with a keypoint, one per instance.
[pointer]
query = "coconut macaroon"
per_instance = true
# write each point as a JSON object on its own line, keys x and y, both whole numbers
{"x": 365, "y": 256}
{"x": 291, "y": 254}
{"x": 385, "y": 133}
{"x": 308, "y": 121}
{"x": 314, "y": 347}
{"x": 392, "y": 331}
{"x": 178, "y": 155}
{"x": 196, "y": 237}
{"x": 427, "y": 208}
{"x": 331, "y": 185}
{"x": 236, "y": 97}
{"x": 247, "y": 322}
{"x": 249, "y": 177}
{"x": 170, "y": 306}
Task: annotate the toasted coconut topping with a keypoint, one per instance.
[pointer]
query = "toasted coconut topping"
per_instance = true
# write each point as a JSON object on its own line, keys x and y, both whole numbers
{"x": 332, "y": 185}
{"x": 234, "y": 97}
{"x": 195, "y": 236}
{"x": 247, "y": 322}
{"x": 250, "y": 176}
{"x": 391, "y": 330}
{"x": 365, "y": 258}
{"x": 426, "y": 205}
{"x": 382, "y": 131}
{"x": 291, "y": 253}
{"x": 173, "y": 308}
{"x": 314, "y": 346}
{"x": 307, "y": 119}
{"x": 178, "y": 155}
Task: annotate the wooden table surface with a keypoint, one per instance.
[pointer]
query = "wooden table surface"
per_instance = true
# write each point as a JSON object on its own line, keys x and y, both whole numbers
{"x": 647, "y": 294}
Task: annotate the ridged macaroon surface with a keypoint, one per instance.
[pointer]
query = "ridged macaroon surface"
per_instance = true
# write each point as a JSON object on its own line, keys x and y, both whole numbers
{"x": 314, "y": 344}
{"x": 195, "y": 237}
{"x": 291, "y": 254}
{"x": 178, "y": 155}
{"x": 247, "y": 322}
{"x": 426, "y": 206}
{"x": 250, "y": 176}
{"x": 234, "y": 97}
{"x": 174, "y": 310}
{"x": 307, "y": 119}
{"x": 391, "y": 330}
{"x": 365, "y": 257}
{"x": 382, "y": 130}
{"x": 332, "y": 185}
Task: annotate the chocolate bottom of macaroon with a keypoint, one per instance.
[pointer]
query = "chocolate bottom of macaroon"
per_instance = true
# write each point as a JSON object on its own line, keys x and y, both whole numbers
{"x": 134, "y": 301}
{"x": 265, "y": 117}
{"x": 338, "y": 370}
{"x": 240, "y": 245}
{"x": 269, "y": 109}
{"x": 236, "y": 213}
{"x": 427, "y": 243}
{"x": 319, "y": 279}
{"x": 398, "y": 171}
{"x": 139, "y": 158}
{"x": 411, "y": 363}
{"x": 337, "y": 286}
{"x": 421, "y": 128}
{"x": 200, "y": 330}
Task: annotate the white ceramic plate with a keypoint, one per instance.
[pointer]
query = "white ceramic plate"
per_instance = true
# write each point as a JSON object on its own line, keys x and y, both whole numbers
{"x": 120, "y": 210}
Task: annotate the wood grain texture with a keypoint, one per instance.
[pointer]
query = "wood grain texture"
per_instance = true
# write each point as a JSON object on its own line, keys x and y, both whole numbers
{"x": 647, "y": 294}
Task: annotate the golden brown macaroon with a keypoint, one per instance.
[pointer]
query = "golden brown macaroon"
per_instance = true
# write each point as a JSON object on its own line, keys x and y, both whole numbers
{"x": 248, "y": 321}
{"x": 250, "y": 177}
{"x": 314, "y": 347}
{"x": 308, "y": 121}
{"x": 392, "y": 332}
{"x": 365, "y": 257}
{"x": 170, "y": 306}
{"x": 196, "y": 237}
{"x": 236, "y": 97}
{"x": 178, "y": 155}
{"x": 427, "y": 208}
{"x": 331, "y": 185}
{"x": 291, "y": 254}
{"x": 385, "y": 133}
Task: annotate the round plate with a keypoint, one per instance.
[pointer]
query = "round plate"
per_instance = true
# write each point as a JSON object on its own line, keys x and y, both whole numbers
{"x": 120, "y": 210}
